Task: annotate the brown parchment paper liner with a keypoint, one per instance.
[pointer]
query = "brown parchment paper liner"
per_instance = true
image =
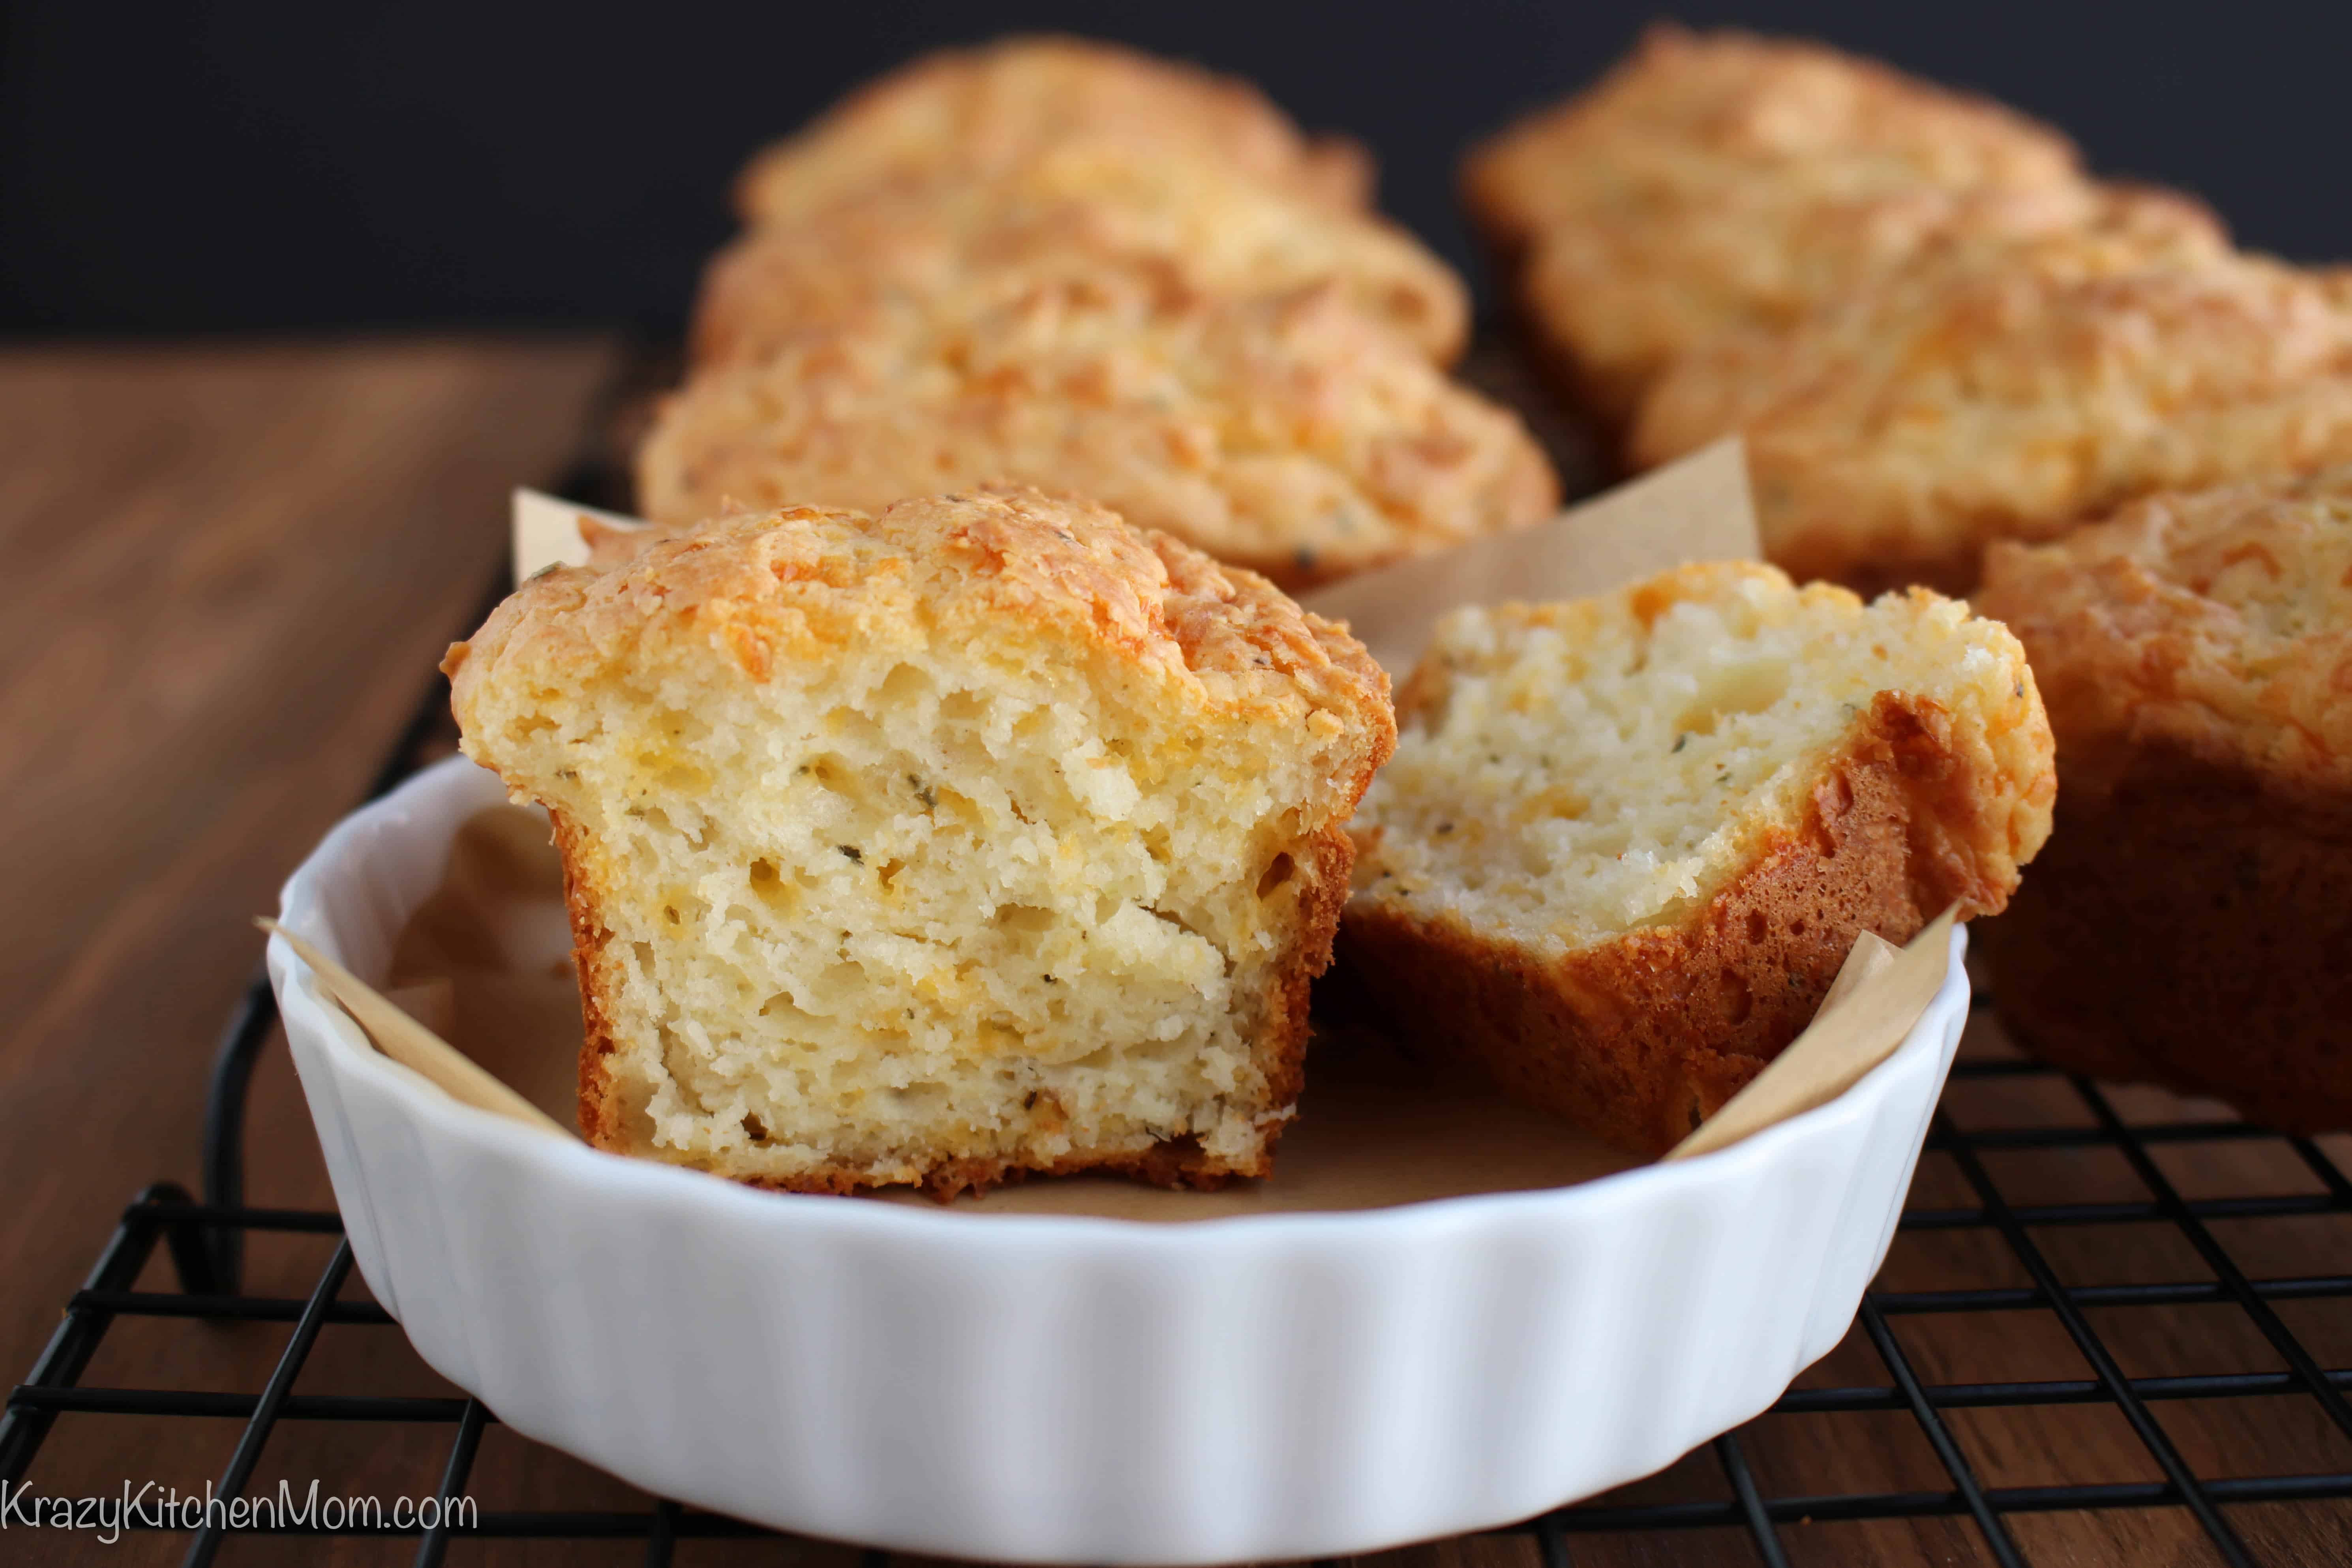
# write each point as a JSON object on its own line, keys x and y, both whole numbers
{"x": 1880, "y": 991}
{"x": 400, "y": 1033}
{"x": 546, "y": 531}
{"x": 482, "y": 999}
{"x": 1696, "y": 510}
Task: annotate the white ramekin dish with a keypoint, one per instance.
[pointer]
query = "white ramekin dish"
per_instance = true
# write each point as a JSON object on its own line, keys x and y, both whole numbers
{"x": 1056, "y": 1389}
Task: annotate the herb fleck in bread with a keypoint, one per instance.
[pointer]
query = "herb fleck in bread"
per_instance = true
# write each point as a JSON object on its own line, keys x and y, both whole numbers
{"x": 1626, "y": 842}
{"x": 983, "y": 836}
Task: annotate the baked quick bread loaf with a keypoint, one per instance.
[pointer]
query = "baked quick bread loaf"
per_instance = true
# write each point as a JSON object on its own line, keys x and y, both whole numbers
{"x": 985, "y": 109}
{"x": 980, "y": 837}
{"x": 1720, "y": 180}
{"x": 1890, "y": 441}
{"x": 2191, "y": 922}
{"x": 1052, "y": 262}
{"x": 1626, "y": 843}
{"x": 1190, "y": 222}
{"x": 1289, "y": 434}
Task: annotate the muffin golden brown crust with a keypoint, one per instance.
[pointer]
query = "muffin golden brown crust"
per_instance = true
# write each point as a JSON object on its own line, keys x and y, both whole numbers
{"x": 1055, "y": 599}
{"x": 1080, "y": 207}
{"x": 2192, "y": 923}
{"x": 771, "y": 581}
{"x": 982, "y": 110}
{"x": 1626, "y": 843}
{"x": 1892, "y": 440}
{"x": 2217, "y": 624}
{"x": 1720, "y": 180}
{"x": 1289, "y": 434}
{"x": 1686, "y": 111}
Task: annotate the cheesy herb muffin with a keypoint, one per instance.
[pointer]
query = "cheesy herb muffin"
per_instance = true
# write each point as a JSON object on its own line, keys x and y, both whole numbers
{"x": 982, "y": 836}
{"x": 1720, "y": 180}
{"x": 1289, "y": 434}
{"x": 2191, "y": 922}
{"x": 1087, "y": 204}
{"x": 984, "y": 109}
{"x": 1626, "y": 842}
{"x": 2016, "y": 394}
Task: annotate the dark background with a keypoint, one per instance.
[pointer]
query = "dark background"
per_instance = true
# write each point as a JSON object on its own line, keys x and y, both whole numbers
{"x": 271, "y": 163}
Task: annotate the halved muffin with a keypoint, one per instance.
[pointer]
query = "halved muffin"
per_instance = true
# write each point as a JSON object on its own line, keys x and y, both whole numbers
{"x": 983, "y": 836}
{"x": 1626, "y": 842}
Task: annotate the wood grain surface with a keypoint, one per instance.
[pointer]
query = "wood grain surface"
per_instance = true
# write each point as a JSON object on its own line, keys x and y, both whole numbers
{"x": 228, "y": 572}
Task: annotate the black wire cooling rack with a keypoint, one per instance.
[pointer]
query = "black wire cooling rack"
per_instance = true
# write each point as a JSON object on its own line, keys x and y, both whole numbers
{"x": 204, "y": 1243}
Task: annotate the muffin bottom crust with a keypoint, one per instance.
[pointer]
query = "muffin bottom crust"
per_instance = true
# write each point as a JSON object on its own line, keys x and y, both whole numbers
{"x": 2191, "y": 930}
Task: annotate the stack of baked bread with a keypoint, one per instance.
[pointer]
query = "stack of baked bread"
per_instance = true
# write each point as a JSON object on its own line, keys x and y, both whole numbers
{"x": 1939, "y": 334}
{"x": 1932, "y": 327}
{"x": 943, "y": 839}
{"x": 1058, "y": 263}
{"x": 923, "y": 828}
